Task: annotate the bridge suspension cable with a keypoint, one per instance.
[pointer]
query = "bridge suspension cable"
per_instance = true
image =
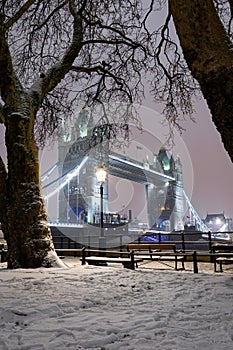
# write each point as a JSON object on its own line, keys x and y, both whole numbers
{"x": 198, "y": 221}
{"x": 63, "y": 180}
{"x": 48, "y": 172}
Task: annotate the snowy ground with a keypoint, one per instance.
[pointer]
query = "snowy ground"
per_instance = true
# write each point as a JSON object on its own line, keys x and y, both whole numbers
{"x": 86, "y": 307}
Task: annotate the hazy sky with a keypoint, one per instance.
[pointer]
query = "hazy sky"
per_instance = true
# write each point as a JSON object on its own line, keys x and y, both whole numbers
{"x": 213, "y": 170}
{"x": 207, "y": 168}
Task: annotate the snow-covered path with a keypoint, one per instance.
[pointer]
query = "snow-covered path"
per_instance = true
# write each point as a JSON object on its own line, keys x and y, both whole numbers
{"x": 115, "y": 308}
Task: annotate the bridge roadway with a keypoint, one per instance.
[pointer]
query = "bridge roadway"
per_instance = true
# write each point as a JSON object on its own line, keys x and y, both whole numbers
{"x": 126, "y": 168}
{"x": 118, "y": 166}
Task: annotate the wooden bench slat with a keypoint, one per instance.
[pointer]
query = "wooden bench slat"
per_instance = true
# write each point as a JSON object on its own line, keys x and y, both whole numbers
{"x": 157, "y": 251}
{"x": 126, "y": 262}
{"x": 157, "y": 257}
{"x": 107, "y": 259}
{"x": 68, "y": 250}
{"x": 152, "y": 246}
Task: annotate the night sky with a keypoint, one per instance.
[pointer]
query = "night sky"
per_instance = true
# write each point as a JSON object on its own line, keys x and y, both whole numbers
{"x": 213, "y": 169}
{"x": 207, "y": 168}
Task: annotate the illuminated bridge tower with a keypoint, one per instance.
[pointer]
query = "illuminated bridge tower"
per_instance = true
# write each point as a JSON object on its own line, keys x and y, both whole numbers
{"x": 177, "y": 215}
{"x": 84, "y": 145}
{"x": 165, "y": 203}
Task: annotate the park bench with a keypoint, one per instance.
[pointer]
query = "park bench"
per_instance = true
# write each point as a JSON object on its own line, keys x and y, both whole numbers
{"x": 102, "y": 257}
{"x": 222, "y": 254}
{"x": 158, "y": 252}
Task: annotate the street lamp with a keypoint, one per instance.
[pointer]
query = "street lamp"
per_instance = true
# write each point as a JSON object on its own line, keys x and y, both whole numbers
{"x": 101, "y": 174}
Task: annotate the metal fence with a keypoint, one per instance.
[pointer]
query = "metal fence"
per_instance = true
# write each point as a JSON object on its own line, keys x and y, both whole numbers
{"x": 184, "y": 240}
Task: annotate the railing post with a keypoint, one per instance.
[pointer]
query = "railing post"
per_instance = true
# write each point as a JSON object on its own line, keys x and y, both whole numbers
{"x": 132, "y": 260}
{"x": 176, "y": 267}
{"x": 215, "y": 262}
{"x": 210, "y": 241}
{"x": 195, "y": 267}
{"x": 83, "y": 256}
{"x": 183, "y": 243}
{"x": 159, "y": 237}
{"x": 121, "y": 246}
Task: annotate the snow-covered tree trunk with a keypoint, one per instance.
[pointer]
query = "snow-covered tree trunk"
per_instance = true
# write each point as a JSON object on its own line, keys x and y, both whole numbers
{"x": 209, "y": 55}
{"x": 22, "y": 210}
{"x": 25, "y": 224}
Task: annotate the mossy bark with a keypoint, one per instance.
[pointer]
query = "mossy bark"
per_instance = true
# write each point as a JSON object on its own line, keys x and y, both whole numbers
{"x": 209, "y": 55}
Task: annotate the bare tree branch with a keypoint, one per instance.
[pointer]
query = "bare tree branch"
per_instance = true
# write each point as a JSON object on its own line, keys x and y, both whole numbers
{"x": 95, "y": 51}
{"x": 8, "y": 80}
{"x": 19, "y": 13}
{"x": 54, "y": 75}
{"x": 51, "y": 15}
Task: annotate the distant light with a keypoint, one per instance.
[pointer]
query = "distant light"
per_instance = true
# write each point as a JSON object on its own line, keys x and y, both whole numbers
{"x": 218, "y": 221}
{"x": 166, "y": 166}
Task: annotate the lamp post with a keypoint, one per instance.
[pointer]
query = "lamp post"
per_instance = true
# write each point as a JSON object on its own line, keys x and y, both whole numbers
{"x": 101, "y": 174}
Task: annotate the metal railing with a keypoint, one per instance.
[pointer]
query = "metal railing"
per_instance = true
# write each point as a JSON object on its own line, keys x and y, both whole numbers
{"x": 184, "y": 241}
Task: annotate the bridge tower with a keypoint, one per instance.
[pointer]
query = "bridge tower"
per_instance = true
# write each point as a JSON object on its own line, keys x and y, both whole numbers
{"x": 177, "y": 215}
{"x": 79, "y": 200}
{"x": 165, "y": 203}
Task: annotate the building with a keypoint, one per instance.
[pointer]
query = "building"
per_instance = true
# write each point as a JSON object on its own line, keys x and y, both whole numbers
{"x": 218, "y": 222}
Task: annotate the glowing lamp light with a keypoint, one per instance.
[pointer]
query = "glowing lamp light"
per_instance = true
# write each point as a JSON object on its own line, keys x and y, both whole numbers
{"x": 101, "y": 174}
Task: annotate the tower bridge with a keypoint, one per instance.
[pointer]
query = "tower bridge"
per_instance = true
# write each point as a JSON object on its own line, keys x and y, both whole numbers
{"x": 68, "y": 188}
{"x": 77, "y": 193}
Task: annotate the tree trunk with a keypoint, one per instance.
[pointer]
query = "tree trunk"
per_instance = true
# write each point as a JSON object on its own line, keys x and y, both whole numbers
{"x": 208, "y": 53}
{"x": 25, "y": 225}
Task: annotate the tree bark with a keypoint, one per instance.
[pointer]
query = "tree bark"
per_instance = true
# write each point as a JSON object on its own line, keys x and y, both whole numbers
{"x": 208, "y": 53}
{"x": 25, "y": 226}
{"x": 22, "y": 210}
